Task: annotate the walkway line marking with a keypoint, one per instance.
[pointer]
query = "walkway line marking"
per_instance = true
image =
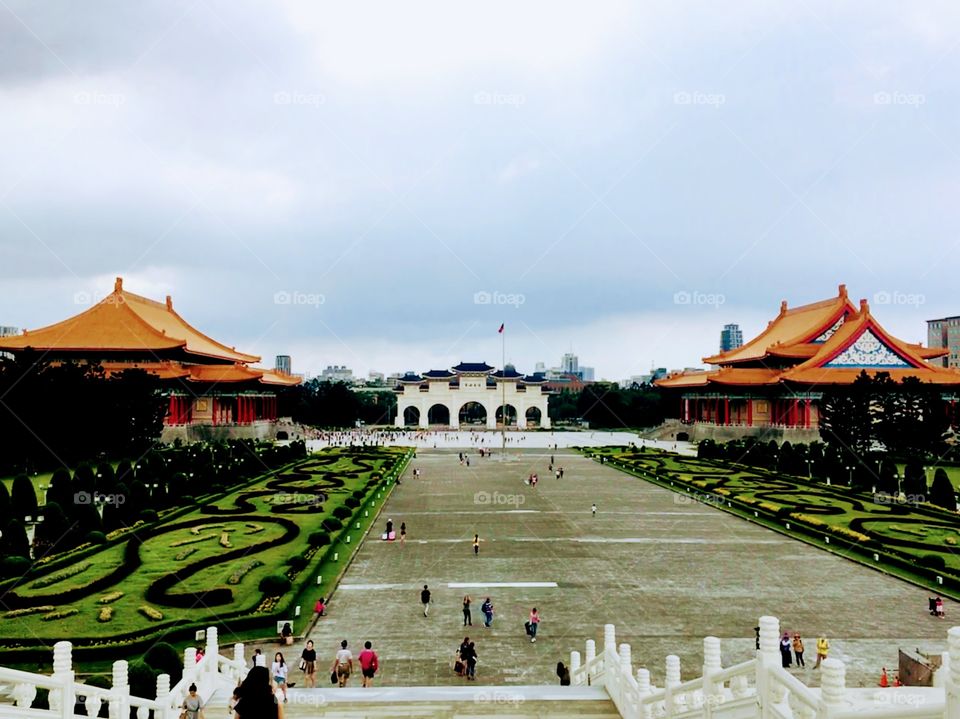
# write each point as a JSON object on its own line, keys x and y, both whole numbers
{"x": 475, "y": 585}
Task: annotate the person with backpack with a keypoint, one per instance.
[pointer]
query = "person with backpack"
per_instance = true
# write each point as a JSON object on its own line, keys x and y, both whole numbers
{"x": 369, "y": 664}
{"x": 342, "y": 665}
{"x": 487, "y": 609}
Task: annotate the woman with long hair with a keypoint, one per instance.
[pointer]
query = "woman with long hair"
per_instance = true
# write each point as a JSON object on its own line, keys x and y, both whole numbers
{"x": 257, "y": 700}
{"x": 279, "y": 671}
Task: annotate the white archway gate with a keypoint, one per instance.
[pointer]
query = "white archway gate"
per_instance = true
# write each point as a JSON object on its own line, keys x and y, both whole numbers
{"x": 472, "y": 382}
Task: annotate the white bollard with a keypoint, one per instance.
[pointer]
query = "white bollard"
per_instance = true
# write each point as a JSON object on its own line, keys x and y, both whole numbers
{"x": 64, "y": 698}
{"x": 120, "y": 702}
{"x": 609, "y": 639}
{"x": 833, "y": 682}
{"x": 626, "y": 665}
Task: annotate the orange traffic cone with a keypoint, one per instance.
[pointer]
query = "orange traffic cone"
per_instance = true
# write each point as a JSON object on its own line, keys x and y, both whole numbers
{"x": 896, "y": 681}
{"x": 884, "y": 682}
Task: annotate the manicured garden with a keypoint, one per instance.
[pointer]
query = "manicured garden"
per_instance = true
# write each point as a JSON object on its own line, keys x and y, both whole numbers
{"x": 916, "y": 541}
{"x": 239, "y": 560}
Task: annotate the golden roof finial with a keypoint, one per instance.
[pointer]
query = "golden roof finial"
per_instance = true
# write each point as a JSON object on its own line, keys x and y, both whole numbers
{"x": 783, "y": 306}
{"x": 843, "y": 290}
{"x": 169, "y": 302}
{"x": 864, "y": 307}
{"x": 118, "y": 285}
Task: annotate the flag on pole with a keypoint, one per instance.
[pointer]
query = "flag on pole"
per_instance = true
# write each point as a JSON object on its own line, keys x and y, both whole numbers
{"x": 500, "y": 331}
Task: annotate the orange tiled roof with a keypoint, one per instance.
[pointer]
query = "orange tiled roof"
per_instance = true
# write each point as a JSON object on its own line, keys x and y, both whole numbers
{"x": 223, "y": 373}
{"x": 160, "y": 370}
{"x": 790, "y": 328}
{"x": 278, "y": 378}
{"x": 686, "y": 379}
{"x": 125, "y": 321}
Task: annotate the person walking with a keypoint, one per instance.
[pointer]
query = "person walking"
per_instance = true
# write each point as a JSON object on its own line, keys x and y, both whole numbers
{"x": 342, "y": 664}
{"x": 258, "y": 659}
{"x": 798, "y": 649}
{"x": 561, "y": 473}
{"x": 487, "y": 609}
{"x": 369, "y": 664}
{"x": 563, "y": 674}
{"x": 940, "y": 608}
{"x": 593, "y": 509}
{"x": 557, "y": 474}
{"x": 460, "y": 665}
{"x": 823, "y": 647}
{"x": 467, "y": 618}
{"x": 257, "y": 700}
{"x": 476, "y": 544}
{"x": 192, "y": 704}
{"x": 468, "y": 655}
{"x": 425, "y": 599}
{"x": 403, "y": 533}
{"x": 533, "y": 624}
{"x": 785, "y": 647}
{"x": 308, "y": 663}
{"x": 278, "y": 671}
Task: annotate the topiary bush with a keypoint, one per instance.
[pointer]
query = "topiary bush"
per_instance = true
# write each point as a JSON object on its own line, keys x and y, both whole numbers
{"x": 14, "y": 566}
{"x": 352, "y": 502}
{"x": 298, "y": 562}
{"x": 148, "y": 515}
{"x": 342, "y": 512}
{"x": 319, "y": 539}
{"x": 165, "y": 659}
{"x": 358, "y": 494}
{"x": 96, "y": 537}
{"x": 274, "y": 585}
{"x": 331, "y": 524}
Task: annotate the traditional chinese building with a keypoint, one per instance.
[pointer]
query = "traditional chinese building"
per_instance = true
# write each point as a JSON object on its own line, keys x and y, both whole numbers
{"x": 212, "y": 390}
{"x": 472, "y": 392}
{"x": 775, "y": 380}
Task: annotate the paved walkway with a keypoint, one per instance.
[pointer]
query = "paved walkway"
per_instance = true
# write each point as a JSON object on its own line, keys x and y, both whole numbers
{"x": 665, "y": 571}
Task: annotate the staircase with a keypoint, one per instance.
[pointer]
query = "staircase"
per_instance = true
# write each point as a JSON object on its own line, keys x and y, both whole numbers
{"x": 442, "y": 702}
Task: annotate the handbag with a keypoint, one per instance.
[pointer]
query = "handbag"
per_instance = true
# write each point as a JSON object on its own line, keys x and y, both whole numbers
{"x": 333, "y": 677}
{"x": 303, "y": 664}
{"x": 458, "y": 667}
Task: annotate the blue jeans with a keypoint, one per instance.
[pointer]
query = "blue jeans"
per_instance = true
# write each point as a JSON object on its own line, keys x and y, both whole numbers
{"x": 533, "y": 629}
{"x": 487, "y": 619}
{"x": 471, "y": 667}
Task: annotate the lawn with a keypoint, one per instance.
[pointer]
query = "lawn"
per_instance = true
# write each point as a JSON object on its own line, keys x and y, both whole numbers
{"x": 204, "y": 565}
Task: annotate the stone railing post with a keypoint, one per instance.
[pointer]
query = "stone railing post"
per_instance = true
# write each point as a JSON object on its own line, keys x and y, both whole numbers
{"x": 768, "y": 656}
{"x": 624, "y": 669}
{"x": 590, "y": 654}
{"x": 644, "y": 690}
{"x": 833, "y": 685}
{"x": 63, "y": 699}
{"x": 240, "y": 660}
{"x": 609, "y": 640}
{"x": 574, "y": 666}
{"x": 212, "y": 651}
{"x": 120, "y": 699}
{"x": 163, "y": 697}
{"x": 952, "y": 684}
{"x": 671, "y": 680}
{"x": 712, "y": 693}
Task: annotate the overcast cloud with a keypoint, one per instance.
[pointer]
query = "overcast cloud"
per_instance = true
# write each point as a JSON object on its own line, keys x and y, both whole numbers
{"x": 339, "y": 180}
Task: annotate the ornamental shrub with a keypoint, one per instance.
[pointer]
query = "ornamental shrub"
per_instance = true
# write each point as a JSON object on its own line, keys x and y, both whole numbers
{"x": 96, "y": 537}
{"x": 274, "y": 585}
{"x": 319, "y": 539}
{"x": 298, "y": 562}
{"x": 342, "y": 513}
{"x": 352, "y": 502}
{"x": 331, "y": 524}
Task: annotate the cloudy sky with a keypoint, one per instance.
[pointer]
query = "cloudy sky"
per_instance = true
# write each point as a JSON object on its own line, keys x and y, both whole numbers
{"x": 382, "y": 184}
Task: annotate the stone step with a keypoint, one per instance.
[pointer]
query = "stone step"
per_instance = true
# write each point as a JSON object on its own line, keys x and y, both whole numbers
{"x": 444, "y": 702}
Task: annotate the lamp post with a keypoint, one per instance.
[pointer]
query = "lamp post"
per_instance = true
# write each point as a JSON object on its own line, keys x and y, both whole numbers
{"x": 850, "y": 476}
{"x": 809, "y": 473}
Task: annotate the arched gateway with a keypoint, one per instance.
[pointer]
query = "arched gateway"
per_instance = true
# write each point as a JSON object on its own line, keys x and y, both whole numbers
{"x": 471, "y": 394}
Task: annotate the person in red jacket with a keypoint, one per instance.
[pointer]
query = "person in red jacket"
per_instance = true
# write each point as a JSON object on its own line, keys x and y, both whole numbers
{"x": 369, "y": 664}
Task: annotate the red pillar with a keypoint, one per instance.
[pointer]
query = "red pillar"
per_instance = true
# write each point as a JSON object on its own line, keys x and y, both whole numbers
{"x": 726, "y": 410}
{"x": 749, "y": 412}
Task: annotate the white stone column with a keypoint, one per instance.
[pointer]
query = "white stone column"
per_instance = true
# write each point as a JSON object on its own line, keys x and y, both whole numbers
{"x": 491, "y": 415}
{"x": 574, "y": 665}
{"x": 212, "y": 651}
{"x": 163, "y": 697}
{"x": 768, "y": 656}
{"x": 590, "y": 653}
{"x": 609, "y": 639}
{"x": 120, "y": 701}
{"x": 712, "y": 694}
{"x": 952, "y": 685}
{"x": 626, "y": 664}
{"x": 424, "y": 421}
{"x": 671, "y": 680}
{"x": 644, "y": 690}
{"x": 63, "y": 699}
{"x": 833, "y": 685}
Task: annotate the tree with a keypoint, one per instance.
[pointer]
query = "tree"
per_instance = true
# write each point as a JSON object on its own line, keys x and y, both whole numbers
{"x": 914, "y": 482}
{"x": 846, "y": 417}
{"x": 24, "y": 497}
{"x": 942, "y": 493}
{"x": 887, "y": 482}
{"x": 14, "y": 541}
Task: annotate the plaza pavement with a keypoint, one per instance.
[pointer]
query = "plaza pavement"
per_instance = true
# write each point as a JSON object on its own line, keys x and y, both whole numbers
{"x": 666, "y": 571}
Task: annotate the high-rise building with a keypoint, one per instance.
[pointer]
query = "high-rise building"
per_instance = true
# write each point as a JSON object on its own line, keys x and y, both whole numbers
{"x": 945, "y": 334}
{"x": 730, "y": 337}
{"x": 337, "y": 373}
{"x": 569, "y": 363}
{"x": 7, "y": 331}
{"x": 283, "y": 365}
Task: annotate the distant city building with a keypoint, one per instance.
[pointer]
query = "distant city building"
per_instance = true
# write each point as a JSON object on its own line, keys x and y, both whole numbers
{"x": 7, "y": 331}
{"x": 283, "y": 364}
{"x": 730, "y": 337}
{"x": 638, "y": 380}
{"x": 375, "y": 378}
{"x": 540, "y": 367}
{"x": 569, "y": 363}
{"x": 569, "y": 367}
{"x": 337, "y": 373}
{"x": 945, "y": 334}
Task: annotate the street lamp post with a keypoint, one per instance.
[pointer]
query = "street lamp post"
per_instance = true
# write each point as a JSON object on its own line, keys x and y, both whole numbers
{"x": 850, "y": 476}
